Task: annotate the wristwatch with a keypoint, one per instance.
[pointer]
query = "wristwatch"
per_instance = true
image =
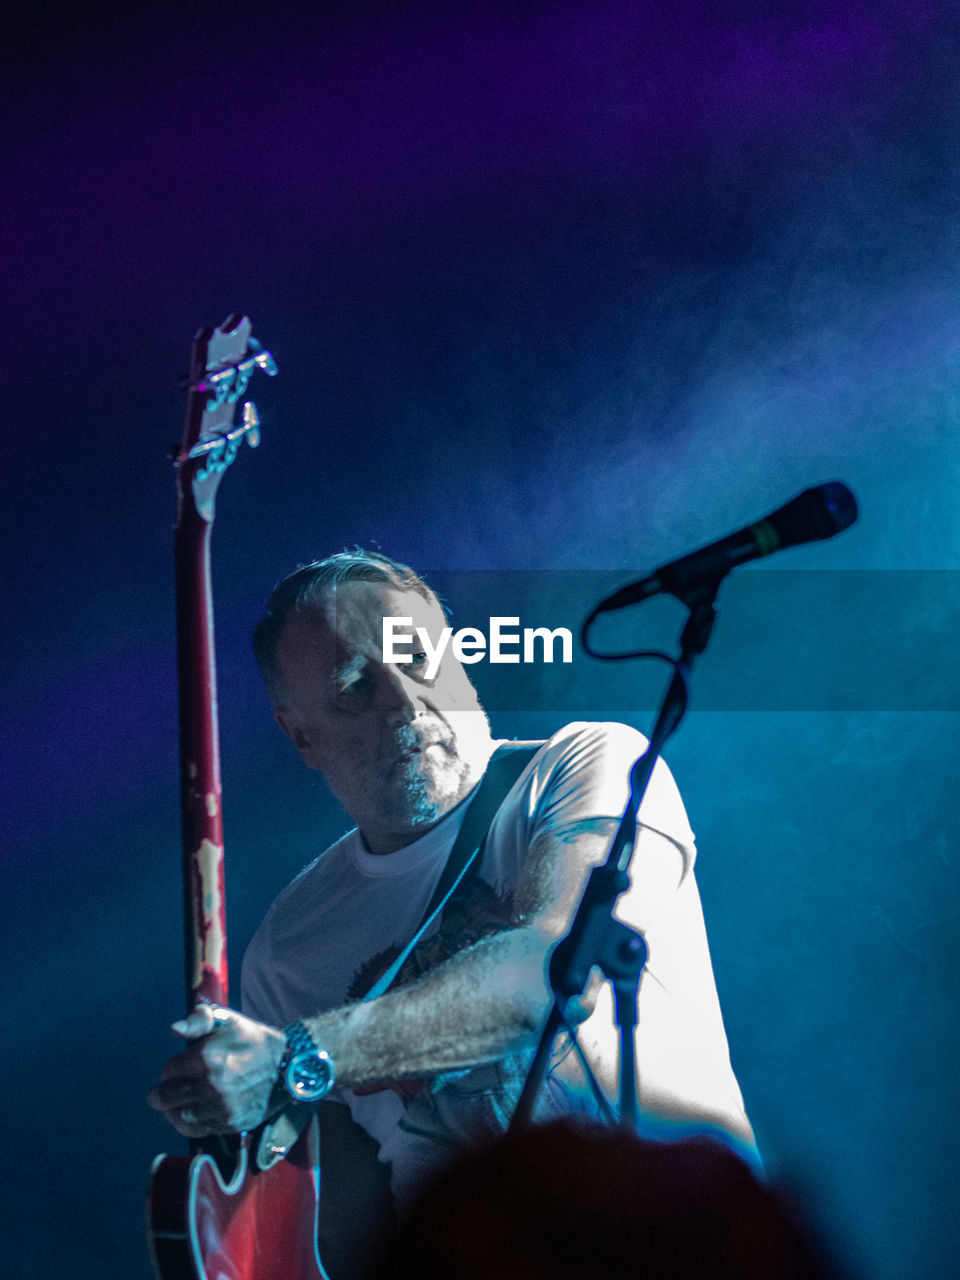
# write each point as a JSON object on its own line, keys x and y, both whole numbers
{"x": 306, "y": 1070}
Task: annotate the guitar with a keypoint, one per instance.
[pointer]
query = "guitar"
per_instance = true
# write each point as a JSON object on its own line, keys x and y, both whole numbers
{"x": 215, "y": 1214}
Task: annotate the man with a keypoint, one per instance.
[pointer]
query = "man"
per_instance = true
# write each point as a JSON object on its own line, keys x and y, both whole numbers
{"x": 436, "y": 1062}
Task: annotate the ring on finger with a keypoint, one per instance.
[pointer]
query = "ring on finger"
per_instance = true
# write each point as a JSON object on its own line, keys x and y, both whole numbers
{"x": 218, "y": 1015}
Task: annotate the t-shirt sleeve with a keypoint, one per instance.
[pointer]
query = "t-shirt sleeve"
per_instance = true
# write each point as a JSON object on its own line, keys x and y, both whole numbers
{"x": 582, "y": 775}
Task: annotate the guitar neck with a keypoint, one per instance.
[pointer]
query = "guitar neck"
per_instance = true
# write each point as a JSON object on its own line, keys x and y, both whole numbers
{"x": 222, "y": 363}
{"x": 204, "y": 909}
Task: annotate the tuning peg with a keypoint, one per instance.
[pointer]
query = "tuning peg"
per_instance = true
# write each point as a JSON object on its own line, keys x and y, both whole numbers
{"x": 251, "y": 423}
{"x": 266, "y": 362}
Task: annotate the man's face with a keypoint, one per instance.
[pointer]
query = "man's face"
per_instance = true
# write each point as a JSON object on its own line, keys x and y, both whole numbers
{"x": 398, "y": 751}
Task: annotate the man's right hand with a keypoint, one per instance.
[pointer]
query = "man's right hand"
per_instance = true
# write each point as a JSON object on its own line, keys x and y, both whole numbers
{"x": 224, "y": 1081}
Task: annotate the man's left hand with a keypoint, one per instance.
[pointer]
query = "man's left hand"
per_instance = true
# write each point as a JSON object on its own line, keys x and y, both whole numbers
{"x": 223, "y": 1081}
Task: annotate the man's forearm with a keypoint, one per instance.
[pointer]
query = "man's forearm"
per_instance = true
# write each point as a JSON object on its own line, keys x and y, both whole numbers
{"x": 484, "y": 1002}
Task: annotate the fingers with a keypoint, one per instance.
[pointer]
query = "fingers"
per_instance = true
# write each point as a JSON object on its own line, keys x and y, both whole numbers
{"x": 192, "y": 1110}
{"x": 183, "y": 1093}
{"x": 223, "y": 1078}
{"x": 192, "y": 1122}
{"x": 188, "y": 1122}
{"x": 190, "y": 1064}
{"x": 204, "y": 1020}
{"x": 172, "y": 1094}
{"x": 197, "y": 1027}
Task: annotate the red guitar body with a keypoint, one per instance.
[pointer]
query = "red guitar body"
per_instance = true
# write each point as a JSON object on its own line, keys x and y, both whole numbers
{"x": 258, "y": 1225}
{"x": 249, "y": 1224}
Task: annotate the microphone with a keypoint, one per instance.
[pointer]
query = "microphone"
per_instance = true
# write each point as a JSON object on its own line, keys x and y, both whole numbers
{"x": 812, "y": 516}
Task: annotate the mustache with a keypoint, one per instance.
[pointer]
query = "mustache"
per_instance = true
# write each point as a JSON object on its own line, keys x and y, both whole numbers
{"x": 407, "y": 738}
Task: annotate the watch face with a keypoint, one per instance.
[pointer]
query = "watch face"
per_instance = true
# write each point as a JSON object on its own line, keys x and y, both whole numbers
{"x": 309, "y": 1075}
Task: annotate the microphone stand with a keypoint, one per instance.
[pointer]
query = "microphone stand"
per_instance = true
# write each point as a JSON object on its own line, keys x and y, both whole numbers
{"x": 597, "y": 939}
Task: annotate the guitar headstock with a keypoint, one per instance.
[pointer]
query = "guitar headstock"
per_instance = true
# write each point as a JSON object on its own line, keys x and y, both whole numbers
{"x": 222, "y": 362}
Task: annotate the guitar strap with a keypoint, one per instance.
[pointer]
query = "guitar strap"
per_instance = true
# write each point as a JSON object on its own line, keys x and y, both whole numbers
{"x": 506, "y": 764}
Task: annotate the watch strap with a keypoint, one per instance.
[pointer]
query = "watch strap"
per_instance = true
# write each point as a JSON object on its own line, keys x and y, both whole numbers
{"x": 306, "y": 1072}
{"x": 299, "y": 1040}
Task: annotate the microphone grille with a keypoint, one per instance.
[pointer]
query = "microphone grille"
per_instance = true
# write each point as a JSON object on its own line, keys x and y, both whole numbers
{"x": 815, "y": 514}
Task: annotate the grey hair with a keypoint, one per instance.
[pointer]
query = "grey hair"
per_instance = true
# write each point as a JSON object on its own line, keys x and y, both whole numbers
{"x": 306, "y": 587}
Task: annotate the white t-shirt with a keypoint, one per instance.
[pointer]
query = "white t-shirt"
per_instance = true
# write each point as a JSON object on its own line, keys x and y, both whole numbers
{"x": 341, "y": 922}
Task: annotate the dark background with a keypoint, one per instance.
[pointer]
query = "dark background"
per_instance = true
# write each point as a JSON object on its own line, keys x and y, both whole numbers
{"x": 552, "y": 286}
